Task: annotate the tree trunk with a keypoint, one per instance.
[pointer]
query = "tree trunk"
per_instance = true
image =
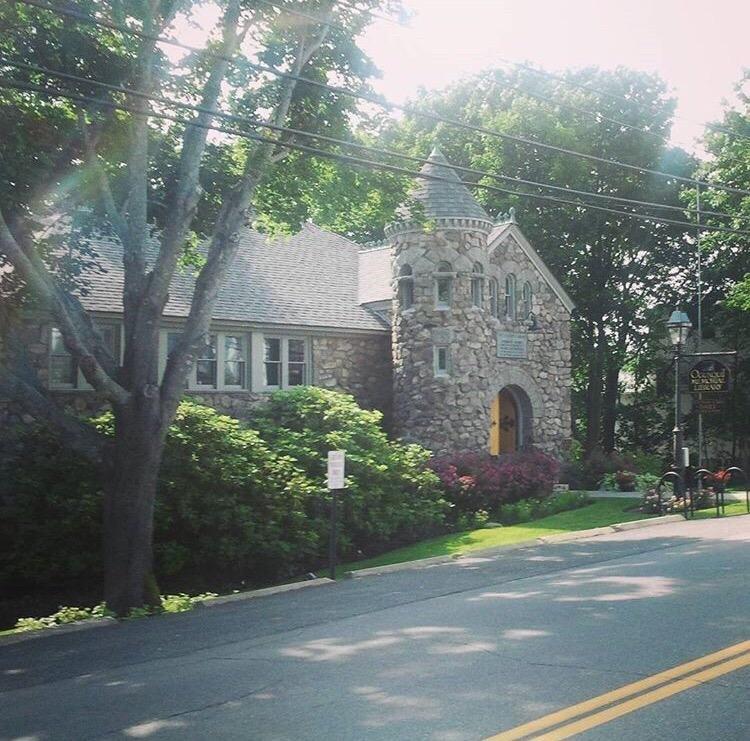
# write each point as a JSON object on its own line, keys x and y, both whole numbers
{"x": 129, "y": 495}
{"x": 611, "y": 395}
{"x": 594, "y": 398}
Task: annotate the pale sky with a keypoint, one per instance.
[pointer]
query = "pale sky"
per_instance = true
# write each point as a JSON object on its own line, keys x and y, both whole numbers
{"x": 699, "y": 48}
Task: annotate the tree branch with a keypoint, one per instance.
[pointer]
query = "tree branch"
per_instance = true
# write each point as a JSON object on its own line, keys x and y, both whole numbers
{"x": 235, "y": 214}
{"x": 25, "y": 390}
{"x": 78, "y": 339}
{"x": 188, "y": 193}
{"x": 105, "y": 191}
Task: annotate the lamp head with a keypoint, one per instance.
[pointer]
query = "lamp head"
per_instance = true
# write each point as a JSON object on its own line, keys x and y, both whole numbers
{"x": 679, "y": 326}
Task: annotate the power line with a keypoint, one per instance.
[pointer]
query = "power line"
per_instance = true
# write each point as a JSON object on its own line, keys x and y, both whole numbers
{"x": 20, "y": 85}
{"x": 376, "y": 100}
{"x": 376, "y": 150}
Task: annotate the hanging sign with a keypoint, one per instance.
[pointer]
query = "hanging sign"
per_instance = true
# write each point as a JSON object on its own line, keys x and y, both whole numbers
{"x": 710, "y": 404}
{"x": 709, "y": 377}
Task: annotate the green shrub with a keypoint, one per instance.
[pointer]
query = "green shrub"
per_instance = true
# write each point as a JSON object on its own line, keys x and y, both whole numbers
{"x": 391, "y": 498}
{"x": 235, "y": 504}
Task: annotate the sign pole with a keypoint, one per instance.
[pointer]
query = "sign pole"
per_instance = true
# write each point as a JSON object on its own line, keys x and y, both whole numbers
{"x": 336, "y": 464}
{"x": 332, "y": 540}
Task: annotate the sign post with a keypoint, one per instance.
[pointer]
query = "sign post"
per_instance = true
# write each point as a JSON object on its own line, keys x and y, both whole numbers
{"x": 336, "y": 466}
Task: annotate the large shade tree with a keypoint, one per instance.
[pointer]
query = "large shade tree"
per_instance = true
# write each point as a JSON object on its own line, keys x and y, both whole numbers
{"x": 163, "y": 186}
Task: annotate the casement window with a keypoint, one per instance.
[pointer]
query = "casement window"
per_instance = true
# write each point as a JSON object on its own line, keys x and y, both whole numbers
{"x": 477, "y": 285}
{"x": 405, "y": 287}
{"x": 63, "y": 369}
{"x": 444, "y": 286}
{"x": 511, "y": 304}
{"x": 220, "y": 360}
{"x": 442, "y": 360}
{"x": 494, "y": 300}
{"x": 285, "y": 362}
{"x": 526, "y": 300}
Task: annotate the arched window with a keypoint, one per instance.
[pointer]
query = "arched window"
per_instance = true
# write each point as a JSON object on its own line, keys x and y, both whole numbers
{"x": 405, "y": 287}
{"x": 510, "y": 296}
{"x": 526, "y": 299}
{"x": 494, "y": 301}
{"x": 477, "y": 285}
{"x": 444, "y": 286}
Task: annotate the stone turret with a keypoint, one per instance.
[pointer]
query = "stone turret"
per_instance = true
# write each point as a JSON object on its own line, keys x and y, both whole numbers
{"x": 443, "y": 336}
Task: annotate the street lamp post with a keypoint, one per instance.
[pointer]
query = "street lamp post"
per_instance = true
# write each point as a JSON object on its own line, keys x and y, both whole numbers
{"x": 679, "y": 327}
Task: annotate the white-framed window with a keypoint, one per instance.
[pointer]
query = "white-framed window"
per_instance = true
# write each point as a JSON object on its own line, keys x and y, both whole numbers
{"x": 235, "y": 361}
{"x": 442, "y": 360}
{"x": 284, "y": 362}
{"x": 405, "y": 287}
{"x": 511, "y": 303}
{"x": 221, "y": 360}
{"x": 444, "y": 286}
{"x": 527, "y": 297}
{"x": 494, "y": 300}
{"x": 63, "y": 369}
{"x": 477, "y": 285}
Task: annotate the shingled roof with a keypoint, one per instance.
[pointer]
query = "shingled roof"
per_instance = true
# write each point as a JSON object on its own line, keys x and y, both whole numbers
{"x": 447, "y": 198}
{"x": 309, "y": 279}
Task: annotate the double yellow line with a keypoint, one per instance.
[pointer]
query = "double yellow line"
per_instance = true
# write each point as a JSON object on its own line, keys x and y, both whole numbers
{"x": 614, "y": 704}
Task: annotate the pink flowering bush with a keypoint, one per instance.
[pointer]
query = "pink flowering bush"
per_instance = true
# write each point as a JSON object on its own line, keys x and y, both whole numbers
{"x": 476, "y": 482}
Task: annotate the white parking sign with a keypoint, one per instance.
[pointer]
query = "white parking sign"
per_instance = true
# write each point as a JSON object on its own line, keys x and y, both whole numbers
{"x": 336, "y": 469}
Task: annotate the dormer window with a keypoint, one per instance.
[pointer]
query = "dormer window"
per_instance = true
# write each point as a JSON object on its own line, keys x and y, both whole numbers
{"x": 405, "y": 287}
{"x": 444, "y": 286}
{"x": 526, "y": 300}
{"x": 477, "y": 285}
{"x": 494, "y": 300}
{"x": 510, "y": 297}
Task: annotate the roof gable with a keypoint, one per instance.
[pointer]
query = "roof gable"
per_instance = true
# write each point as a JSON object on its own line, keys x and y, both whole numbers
{"x": 501, "y": 233}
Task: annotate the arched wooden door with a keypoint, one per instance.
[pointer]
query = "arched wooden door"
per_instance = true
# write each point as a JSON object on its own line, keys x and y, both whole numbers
{"x": 504, "y": 423}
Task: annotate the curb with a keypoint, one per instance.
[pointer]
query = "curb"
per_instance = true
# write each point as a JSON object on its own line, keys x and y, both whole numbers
{"x": 57, "y": 630}
{"x": 267, "y": 591}
{"x": 637, "y": 524}
{"x": 497, "y": 550}
{"x": 103, "y": 622}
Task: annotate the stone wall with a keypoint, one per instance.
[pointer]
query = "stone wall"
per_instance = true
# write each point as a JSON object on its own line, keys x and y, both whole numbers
{"x": 357, "y": 364}
{"x": 452, "y": 413}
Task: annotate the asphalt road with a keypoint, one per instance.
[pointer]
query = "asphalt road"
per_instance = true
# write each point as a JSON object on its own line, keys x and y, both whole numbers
{"x": 446, "y": 653}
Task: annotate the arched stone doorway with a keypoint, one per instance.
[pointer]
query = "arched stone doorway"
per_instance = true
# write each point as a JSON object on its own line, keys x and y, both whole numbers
{"x": 511, "y": 421}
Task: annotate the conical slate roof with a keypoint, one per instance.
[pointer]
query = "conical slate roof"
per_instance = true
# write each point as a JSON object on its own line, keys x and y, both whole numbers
{"x": 447, "y": 198}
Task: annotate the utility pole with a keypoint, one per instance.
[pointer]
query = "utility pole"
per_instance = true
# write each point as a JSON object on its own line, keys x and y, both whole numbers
{"x": 699, "y": 318}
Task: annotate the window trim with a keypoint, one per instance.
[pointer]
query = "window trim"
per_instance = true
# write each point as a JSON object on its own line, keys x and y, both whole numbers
{"x": 511, "y": 297}
{"x": 527, "y": 302}
{"x": 405, "y": 288}
{"x": 476, "y": 286}
{"x": 494, "y": 298}
{"x": 443, "y": 274}
{"x": 259, "y": 375}
{"x": 192, "y": 379}
{"x": 80, "y": 383}
{"x": 437, "y": 370}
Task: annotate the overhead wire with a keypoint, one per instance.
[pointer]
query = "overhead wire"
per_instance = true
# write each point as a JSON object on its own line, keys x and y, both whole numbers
{"x": 246, "y": 120}
{"x": 372, "y": 164}
{"x": 379, "y": 101}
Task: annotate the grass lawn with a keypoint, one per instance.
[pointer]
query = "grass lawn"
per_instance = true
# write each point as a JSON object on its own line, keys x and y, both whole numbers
{"x": 600, "y": 513}
{"x": 732, "y": 508}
